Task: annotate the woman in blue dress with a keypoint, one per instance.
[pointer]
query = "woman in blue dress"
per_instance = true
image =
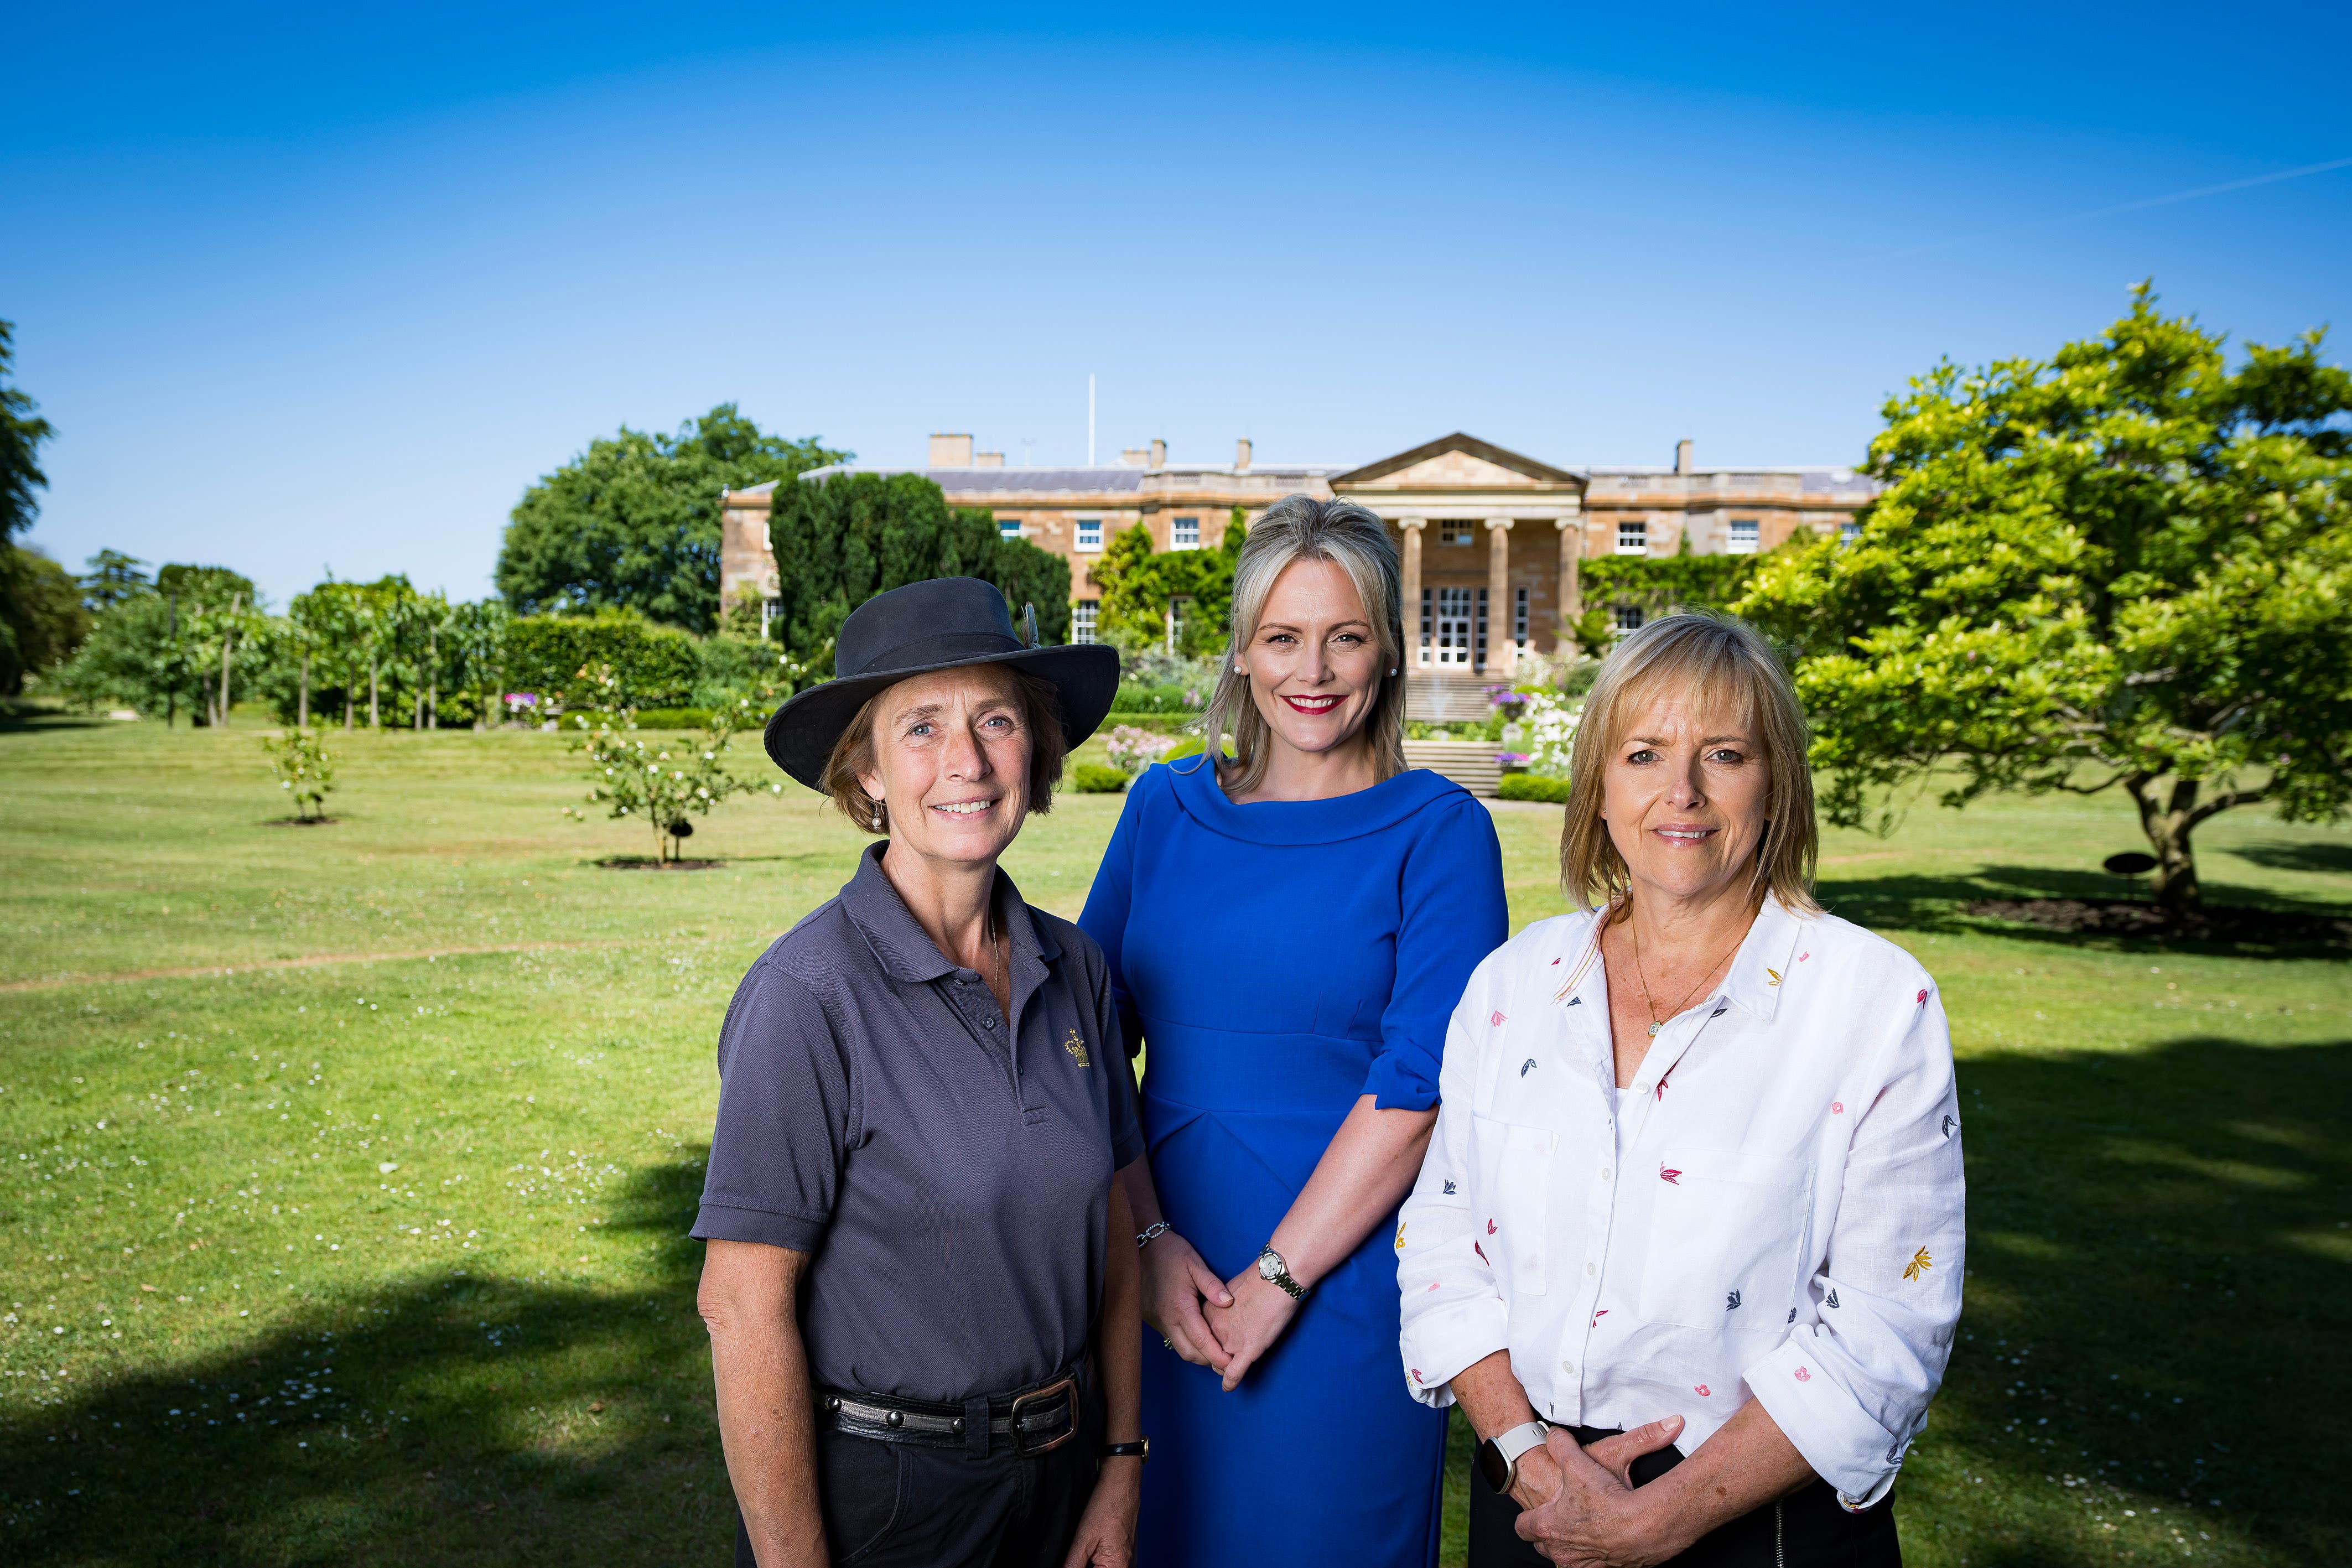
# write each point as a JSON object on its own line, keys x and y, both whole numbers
{"x": 1288, "y": 929}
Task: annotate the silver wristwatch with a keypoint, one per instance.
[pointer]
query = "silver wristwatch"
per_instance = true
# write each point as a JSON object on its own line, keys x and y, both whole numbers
{"x": 1499, "y": 1456}
{"x": 1271, "y": 1267}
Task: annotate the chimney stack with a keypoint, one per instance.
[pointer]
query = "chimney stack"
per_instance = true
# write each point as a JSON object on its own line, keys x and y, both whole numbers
{"x": 951, "y": 451}
{"x": 1241, "y": 455}
{"x": 1159, "y": 453}
{"x": 988, "y": 459}
{"x": 1683, "y": 456}
{"x": 1133, "y": 457}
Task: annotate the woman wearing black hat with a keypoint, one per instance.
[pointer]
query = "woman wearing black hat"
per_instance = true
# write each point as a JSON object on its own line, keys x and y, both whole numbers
{"x": 923, "y": 1334}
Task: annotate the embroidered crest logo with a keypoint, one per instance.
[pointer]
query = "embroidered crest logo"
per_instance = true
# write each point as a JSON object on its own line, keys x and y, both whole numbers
{"x": 1076, "y": 1047}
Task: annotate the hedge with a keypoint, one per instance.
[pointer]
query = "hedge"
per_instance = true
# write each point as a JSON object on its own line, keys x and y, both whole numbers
{"x": 1093, "y": 778}
{"x": 1532, "y": 786}
{"x": 1133, "y": 699}
{"x": 546, "y": 653}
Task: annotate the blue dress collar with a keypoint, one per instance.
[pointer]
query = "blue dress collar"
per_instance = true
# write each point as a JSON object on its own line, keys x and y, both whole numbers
{"x": 1294, "y": 822}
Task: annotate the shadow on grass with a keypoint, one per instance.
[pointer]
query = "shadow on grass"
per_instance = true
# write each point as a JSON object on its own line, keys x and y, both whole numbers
{"x": 446, "y": 1419}
{"x": 1917, "y": 903}
{"x": 2156, "y": 1266}
{"x": 2284, "y": 855}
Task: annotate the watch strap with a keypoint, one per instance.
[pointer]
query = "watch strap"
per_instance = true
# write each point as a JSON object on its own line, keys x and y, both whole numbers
{"x": 1280, "y": 1273}
{"x": 1499, "y": 1455}
{"x": 1138, "y": 1449}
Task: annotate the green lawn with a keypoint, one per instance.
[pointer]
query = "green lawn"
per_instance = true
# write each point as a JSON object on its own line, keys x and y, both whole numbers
{"x": 349, "y": 1167}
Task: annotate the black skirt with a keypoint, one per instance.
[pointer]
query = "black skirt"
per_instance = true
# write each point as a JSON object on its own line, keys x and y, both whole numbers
{"x": 1807, "y": 1529}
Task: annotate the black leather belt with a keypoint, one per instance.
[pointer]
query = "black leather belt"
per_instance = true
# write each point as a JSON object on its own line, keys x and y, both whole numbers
{"x": 1034, "y": 1421}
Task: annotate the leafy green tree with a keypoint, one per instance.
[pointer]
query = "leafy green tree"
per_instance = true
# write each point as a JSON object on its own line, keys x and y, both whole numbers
{"x": 633, "y": 523}
{"x": 660, "y": 784}
{"x": 21, "y": 435}
{"x": 840, "y": 541}
{"x": 113, "y": 577}
{"x": 42, "y": 620}
{"x": 306, "y": 771}
{"x": 2128, "y": 567}
{"x": 1138, "y": 583}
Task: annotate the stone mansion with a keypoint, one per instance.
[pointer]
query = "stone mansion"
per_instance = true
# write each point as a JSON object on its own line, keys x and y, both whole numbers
{"x": 1490, "y": 540}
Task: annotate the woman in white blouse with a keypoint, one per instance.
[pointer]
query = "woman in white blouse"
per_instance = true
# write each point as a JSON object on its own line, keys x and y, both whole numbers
{"x": 1697, "y": 1173}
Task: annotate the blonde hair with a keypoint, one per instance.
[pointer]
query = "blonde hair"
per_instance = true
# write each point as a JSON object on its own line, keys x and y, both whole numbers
{"x": 853, "y": 751}
{"x": 1720, "y": 664}
{"x": 1353, "y": 539}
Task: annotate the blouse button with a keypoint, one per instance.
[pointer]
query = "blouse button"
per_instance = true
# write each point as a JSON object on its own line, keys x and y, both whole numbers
{"x": 1604, "y": 1173}
{"x": 1569, "y": 1367}
{"x": 1591, "y": 1269}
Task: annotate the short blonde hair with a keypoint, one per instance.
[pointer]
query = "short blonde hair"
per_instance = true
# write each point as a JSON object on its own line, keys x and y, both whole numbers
{"x": 1722, "y": 665}
{"x": 853, "y": 753}
{"x": 1354, "y": 539}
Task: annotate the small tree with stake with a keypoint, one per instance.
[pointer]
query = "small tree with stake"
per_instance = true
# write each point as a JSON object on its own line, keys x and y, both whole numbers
{"x": 661, "y": 784}
{"x": 306, "y": 771}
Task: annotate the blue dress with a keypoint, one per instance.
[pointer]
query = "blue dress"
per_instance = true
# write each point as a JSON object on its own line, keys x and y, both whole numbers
{"x": 1279, "y": 961}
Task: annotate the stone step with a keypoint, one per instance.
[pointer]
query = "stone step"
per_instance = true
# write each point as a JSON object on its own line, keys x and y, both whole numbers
{"x": 1470, "y": 764}
{"x": 1447, "y": 696}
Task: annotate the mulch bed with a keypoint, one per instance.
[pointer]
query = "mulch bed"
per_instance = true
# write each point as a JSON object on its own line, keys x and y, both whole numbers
{"x": 638, "y": 863}
{"x": 2123, "y": 917}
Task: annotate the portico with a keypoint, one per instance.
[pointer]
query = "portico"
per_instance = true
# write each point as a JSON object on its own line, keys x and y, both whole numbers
{"x": 1489, "y": 538}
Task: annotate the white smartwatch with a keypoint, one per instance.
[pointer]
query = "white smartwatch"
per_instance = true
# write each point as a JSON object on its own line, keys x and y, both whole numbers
{"x": 1499, "y": 1456}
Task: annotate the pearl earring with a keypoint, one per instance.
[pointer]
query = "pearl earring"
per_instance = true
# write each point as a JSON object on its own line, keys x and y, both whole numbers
{"x": 877, "y": 817}
{"x": 1392, "y": 671}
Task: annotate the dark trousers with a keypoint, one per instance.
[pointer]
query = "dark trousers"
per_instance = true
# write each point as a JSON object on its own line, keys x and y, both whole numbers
{"x": 1807, "y": 1529}
{"x": 895, "y": 1505}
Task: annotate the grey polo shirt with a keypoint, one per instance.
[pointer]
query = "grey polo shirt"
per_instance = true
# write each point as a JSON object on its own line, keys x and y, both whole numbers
{"x": 947, "y": 1168}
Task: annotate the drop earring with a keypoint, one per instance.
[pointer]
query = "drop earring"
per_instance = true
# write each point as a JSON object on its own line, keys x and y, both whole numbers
{"x": 878, "y": 815}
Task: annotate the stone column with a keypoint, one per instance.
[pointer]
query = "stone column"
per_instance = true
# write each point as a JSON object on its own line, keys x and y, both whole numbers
{"x": 1571, "y": 587}
{"x": 1411, "y": 609}
{"x": 1502, "y": 652}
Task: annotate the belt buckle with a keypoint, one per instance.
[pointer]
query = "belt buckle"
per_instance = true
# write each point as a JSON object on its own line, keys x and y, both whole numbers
{"x": 1068, "y": 1387}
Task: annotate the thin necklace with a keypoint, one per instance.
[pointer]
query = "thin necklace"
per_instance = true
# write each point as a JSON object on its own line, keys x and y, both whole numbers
{"x": 1656, "y": 1023}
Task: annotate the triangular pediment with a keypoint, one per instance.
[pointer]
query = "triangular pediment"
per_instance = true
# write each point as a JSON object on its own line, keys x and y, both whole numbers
{"x": 1456, "y": 462}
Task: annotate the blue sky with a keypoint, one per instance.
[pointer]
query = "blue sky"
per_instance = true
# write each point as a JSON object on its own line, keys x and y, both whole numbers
{"x": 303, "y": 290}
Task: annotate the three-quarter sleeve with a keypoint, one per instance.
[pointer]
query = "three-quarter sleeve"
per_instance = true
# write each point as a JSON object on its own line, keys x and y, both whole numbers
{"x": 1453, "y": 916}
{"x": 1851, "y": 1390}
{"x": 1105, "y": 916}
{"x": 787, "y": 1112}
{"x": 1452, "y": 1312}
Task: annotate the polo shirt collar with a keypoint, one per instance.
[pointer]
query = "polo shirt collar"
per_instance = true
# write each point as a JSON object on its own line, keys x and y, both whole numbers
{"x": 1766, "y": 955}
{"x": 899, "y": 942}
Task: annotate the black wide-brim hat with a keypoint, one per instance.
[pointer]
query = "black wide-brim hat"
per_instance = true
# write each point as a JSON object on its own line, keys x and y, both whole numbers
{"x": 946, "y": 623}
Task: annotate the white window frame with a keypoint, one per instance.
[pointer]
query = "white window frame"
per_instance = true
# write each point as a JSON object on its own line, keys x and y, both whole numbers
{"x": 1184, "y": 533}
{"x": 1627, "y": 617}
{"x": 1008, "y": 528}
{"x": 1179, "y": 613}
{"x": 1084, "y": 619}
{"x": 1456, "y": 533}
{"x": 1079, "y": 529}
{"x": 1633, "y": 536}
{"x": 1849, "y": 530}
{"x": 1736, "y": 545}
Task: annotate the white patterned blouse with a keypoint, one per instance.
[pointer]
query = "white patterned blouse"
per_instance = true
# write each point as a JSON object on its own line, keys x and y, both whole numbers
{"x": 1784, "y": 1222}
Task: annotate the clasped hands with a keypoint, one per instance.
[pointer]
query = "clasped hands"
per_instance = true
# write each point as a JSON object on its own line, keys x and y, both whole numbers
{"x": 1223, "y": 1325}
{"x": 1579, "y": 1506}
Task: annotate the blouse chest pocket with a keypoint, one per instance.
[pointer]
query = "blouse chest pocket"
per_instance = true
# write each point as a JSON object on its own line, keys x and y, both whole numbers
{"x": 1513, "y": 1199}
{"x": 1727, "y": 1231}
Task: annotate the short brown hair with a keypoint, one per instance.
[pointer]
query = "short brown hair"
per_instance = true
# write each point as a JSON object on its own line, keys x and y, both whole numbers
{"x": 853, "y": 753}
{"x": 1725, "y": 665}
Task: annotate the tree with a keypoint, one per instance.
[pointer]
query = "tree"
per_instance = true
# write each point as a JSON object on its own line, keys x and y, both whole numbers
{"x": 21, "y": 435}
{"x": 2127, "y": 566}
{"x": 1137, "y": 584}
{"x": 840, "y": 541}
{"x": 113, "y": 577}
{"x": 42, "y": 620}
{"x": 633, "y": 523}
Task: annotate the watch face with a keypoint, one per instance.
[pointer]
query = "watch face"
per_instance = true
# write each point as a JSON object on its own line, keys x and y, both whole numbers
{"x": 1269, "y": 1266}
{"x": 1493, "y": 1466}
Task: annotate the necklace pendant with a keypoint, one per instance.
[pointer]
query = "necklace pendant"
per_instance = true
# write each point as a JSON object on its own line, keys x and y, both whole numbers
{"x": 1654, "y": 1029}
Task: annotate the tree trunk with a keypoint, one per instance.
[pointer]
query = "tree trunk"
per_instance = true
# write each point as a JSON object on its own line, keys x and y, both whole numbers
{"x": 432, "y": 676}
{"x": 2167, "y": 817}
{"x": 347, "y": 708}
{"x": 302, "y": 695}
{"x": 375, "y": 710}
{"x": 228, "y": 639}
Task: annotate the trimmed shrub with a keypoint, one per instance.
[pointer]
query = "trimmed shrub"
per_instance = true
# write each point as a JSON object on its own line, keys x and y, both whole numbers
{"x": 1532, "y": 786}
{"x": 545, "y": 654}
{"x": 673, "y": 718}
{"x": 1093, "y": 778}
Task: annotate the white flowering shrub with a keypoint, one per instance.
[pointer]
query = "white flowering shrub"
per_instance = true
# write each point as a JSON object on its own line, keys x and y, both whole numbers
{"x": 662, "y": 783}
{"x": 1548, "y": 723}
{"x": 306, "y": 771}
